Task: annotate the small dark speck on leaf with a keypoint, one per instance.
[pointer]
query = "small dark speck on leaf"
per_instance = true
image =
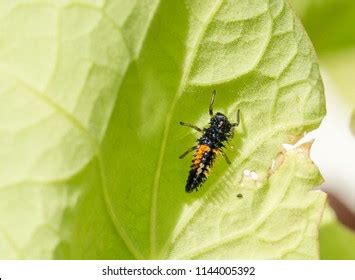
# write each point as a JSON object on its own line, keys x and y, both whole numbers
{"x": 239, "y": 195}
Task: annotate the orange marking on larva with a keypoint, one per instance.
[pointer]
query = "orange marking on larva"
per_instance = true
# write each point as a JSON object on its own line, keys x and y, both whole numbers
{"x": 196, "y": 163}
{"x": 198, "y": 156}
{"x": 204, "y": 148}
{"x": 200, "y": 151}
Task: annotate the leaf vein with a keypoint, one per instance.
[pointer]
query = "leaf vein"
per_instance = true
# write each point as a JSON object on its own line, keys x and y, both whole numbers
{"x": 188, "y": 67}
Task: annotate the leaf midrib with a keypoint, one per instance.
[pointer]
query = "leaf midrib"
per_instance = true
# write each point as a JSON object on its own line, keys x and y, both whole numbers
{"x": 185, "y": 75}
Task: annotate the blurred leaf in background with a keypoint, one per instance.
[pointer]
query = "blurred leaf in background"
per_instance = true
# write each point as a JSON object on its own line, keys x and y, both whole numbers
{"x": 329, "y": 23}
{"x": 337, "y": 242}
{"x": 331, "y": 26}
{"x": 352, "y": 122}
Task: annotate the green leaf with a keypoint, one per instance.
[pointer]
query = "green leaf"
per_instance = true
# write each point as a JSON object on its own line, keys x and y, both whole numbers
{"x": 91, "y": 95}
{"x": 329, "y": 23}
{"x": 337, "y": 242}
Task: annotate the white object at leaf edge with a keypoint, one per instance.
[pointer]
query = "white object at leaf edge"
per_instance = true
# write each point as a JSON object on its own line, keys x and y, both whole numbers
{"x": 334, "y": 147}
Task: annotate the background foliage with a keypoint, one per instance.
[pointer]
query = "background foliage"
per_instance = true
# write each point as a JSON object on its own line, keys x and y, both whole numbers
{"x": 329, "y": 24}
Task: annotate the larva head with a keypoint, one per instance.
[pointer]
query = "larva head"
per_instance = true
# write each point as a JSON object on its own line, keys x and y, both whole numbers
{"x": 221, "y": 123}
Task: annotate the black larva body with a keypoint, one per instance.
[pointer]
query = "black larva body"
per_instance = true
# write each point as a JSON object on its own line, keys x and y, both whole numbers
{"x": 209, "y": 146}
